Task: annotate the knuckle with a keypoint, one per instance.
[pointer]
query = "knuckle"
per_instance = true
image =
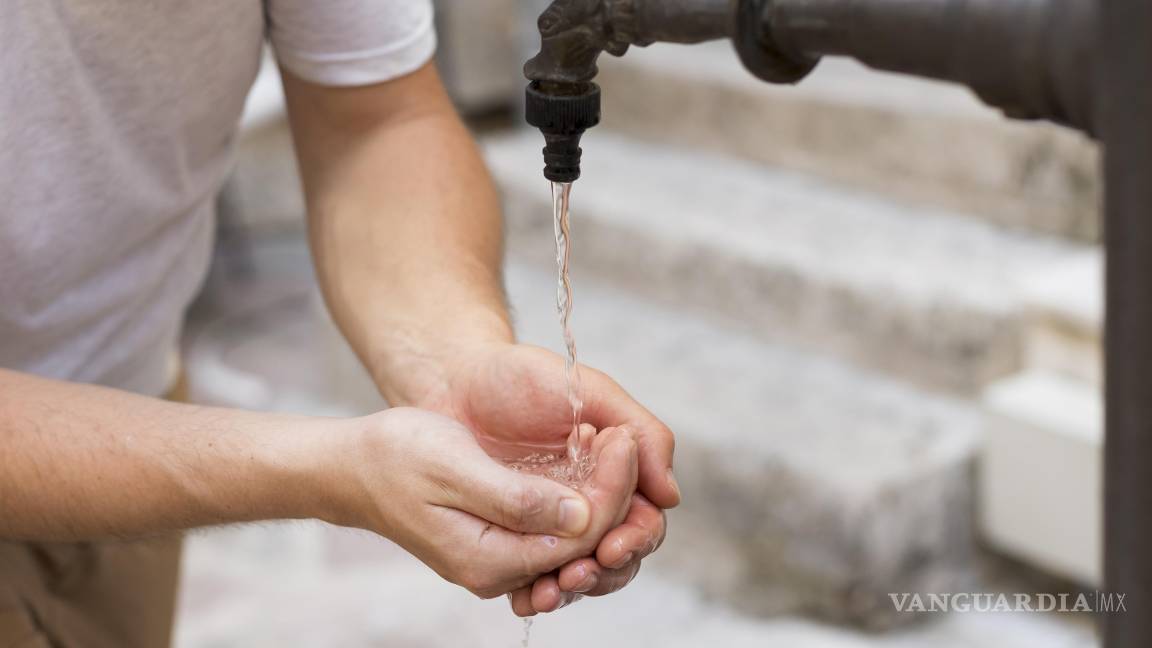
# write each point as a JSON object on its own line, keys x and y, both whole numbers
{"x": 526, "y": 563}
{"x": 522, "y": 505}
{"x": 443, "y": 487}
{"x": 669, "y": 438}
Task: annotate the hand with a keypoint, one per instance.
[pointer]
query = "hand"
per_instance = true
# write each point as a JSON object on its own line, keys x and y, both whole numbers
{"x": 514, "y": 397}
{"x": 588, "y": 576}
{"x": 421, "y": 480}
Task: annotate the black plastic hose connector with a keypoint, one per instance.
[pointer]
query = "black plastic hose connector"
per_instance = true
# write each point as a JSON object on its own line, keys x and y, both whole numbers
{"x": 562, "y": 112}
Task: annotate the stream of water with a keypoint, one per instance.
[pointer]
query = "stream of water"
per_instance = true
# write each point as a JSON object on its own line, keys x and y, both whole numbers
{"x": 561, "y": 193}
{"x": 574, "y": 467}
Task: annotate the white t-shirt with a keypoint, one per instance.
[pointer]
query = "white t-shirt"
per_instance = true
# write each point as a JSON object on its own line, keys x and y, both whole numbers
{"x": 117, "y": 124}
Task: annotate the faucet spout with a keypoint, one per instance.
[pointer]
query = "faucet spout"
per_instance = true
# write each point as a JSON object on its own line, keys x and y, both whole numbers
{"x": 562, "y": 100}
{"x": 562, "y": 112}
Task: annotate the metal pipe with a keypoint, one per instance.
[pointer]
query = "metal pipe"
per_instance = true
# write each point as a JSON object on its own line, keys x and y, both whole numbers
{"x": 680, "y": 21}
{"x": 1124, "y": 109}
{"x": 1033, "y": 59}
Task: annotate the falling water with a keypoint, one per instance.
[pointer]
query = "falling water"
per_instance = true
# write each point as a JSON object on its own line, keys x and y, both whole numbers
{"x": 574, "y": 467}
{"x": 561, "y": 191}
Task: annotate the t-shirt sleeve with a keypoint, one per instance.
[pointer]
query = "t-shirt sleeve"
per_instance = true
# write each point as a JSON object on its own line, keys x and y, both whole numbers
{"x": 351, "y": 42}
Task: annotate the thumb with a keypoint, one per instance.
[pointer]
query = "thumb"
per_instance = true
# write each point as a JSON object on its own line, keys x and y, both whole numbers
{"x": 518, "y": 502}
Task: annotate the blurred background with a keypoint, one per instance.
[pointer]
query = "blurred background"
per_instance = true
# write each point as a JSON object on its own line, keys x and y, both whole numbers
{"x": 868, "y": 306}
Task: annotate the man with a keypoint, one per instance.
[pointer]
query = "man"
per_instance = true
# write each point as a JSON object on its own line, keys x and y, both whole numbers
{"x": 117, "y": 126}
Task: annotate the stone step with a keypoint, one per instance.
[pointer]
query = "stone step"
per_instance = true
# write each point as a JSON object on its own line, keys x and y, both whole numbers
{"x": 336, "y": 587}
{"x": 920, "y": 141}
{"x": 1064, "y": 303}
{"x": 1041, "y": 473}
{"x": 923, "y": 294}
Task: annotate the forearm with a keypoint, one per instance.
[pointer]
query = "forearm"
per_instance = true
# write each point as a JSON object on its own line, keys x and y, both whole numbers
{"x": 405, "y": 228}
{"x": 82, "y": 462}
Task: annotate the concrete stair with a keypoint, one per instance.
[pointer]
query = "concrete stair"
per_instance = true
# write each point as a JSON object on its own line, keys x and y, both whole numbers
{"x": 1041, "y": 473}
{"x": 927, "y": 295}
{"x": 919, "y": 141}
{"x": 1064, "y": 309}
{"x": 313, "y": 586}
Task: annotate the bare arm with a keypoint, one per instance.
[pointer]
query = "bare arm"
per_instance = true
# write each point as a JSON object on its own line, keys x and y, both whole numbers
{"x": 79, "y": 462}
{"x": 406, "y": 231}
{"x": 83, "y": 462}
{"x": 404, "y": 223}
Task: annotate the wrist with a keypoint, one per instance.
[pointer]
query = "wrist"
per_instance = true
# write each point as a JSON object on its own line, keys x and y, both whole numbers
{"x": 416, "y": 365}
{"x": 303, "y": 469}
{"x": 330, "y": 461}
{"x": 362, "y": 469}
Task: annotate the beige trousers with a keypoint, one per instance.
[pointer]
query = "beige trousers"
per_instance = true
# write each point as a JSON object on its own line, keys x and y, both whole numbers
{"x": 88, "y": 594}
{"x": 113, "y": 594}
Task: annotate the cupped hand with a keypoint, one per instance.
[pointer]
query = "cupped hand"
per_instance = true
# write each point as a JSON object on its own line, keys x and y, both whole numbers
{"x": 421, "y": 480}
{"x": 590, "y": 576}
{"x": 514, "y": 399}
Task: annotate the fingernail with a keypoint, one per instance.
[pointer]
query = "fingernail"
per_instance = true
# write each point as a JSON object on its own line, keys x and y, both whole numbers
{"x": 573, "y": 516}
{"x": 586, "y": 584}
{"x": 624, "y": 560}
{"x": 569, "y": 600}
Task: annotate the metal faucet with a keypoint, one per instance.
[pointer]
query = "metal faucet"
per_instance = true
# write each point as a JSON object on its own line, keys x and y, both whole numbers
{"x": 1032, "y": 59}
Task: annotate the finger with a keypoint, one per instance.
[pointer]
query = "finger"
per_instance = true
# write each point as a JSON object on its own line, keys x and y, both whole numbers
{"x": 599, "y": 441}
{"x": 586, "y": 439}
{"x": 580, "y": 576}
{"x": 618, "y": 554}
{"x": 640, "y": 534}
{"x": 546, "y": 595}
{"x": 614, "y": 580}
{"x": 610, "y": 405}
{"x": 657, "y": 446}
{"x": 515, "y": 501}
{"x": 608, "y": 489}
{"x": 521, "y": 601}
{"x": 588, "y": 577}
{"x": 613, "y": 480}
{"x": 490, "y": 560}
